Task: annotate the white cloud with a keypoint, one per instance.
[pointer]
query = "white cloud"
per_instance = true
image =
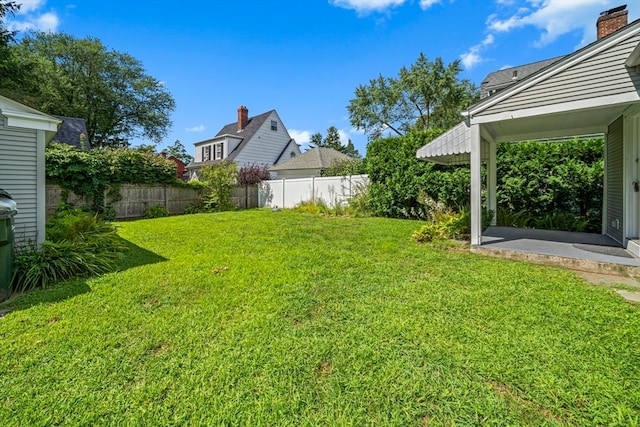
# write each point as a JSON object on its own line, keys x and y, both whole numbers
{"x": 426, "y": 4}
{"x": 472, "y": 57}
{"x": 301, "y": 136}
{"x": 344, "y": 136}
{"x": 554, "y": 17}
{"x": 198, "y": 128}
{"x": 29, "y": 18}
{"x": 27, "y": 6}
{"x": 366, "y": 6}
{"x": 47, "y": 22}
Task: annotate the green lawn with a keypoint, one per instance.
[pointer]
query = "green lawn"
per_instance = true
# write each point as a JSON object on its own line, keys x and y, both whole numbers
{"x": 263, "y": 318}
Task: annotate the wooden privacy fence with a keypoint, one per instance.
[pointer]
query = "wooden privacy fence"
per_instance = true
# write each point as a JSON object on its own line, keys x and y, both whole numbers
{"x": 332, "y": 190}
{"x": 135, "y": 199}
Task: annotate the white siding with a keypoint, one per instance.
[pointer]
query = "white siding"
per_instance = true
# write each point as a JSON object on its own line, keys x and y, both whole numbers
{"x": 290, "y": 152}
{"x": 266, "y": 144}
{"x": 18, "y": 176}
{"x": 603, "y": 74}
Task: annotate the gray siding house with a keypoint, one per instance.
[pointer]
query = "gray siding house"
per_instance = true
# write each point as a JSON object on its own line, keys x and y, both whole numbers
{"x": 24, "y": 133}
{"x": 595, "y": 90}
{"x": 261, "y": 139}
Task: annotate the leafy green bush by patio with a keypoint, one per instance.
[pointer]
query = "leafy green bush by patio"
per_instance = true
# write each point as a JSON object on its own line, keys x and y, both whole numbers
{"x": 77, "y": 244}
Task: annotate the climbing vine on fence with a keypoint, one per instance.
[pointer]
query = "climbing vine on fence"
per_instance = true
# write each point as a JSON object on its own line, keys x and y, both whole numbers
{"x": 90, "y": 173}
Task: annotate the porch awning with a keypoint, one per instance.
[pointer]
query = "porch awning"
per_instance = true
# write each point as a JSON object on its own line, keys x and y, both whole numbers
{"x": 451, "y": 148}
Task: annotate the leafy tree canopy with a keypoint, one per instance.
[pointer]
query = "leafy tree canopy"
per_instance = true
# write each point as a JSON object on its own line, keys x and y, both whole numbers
{"x": 82, "y": 78}
{"x": 427, "y": 95}
{"x": 7, "y": 8}
{"x": 178, "y": 151}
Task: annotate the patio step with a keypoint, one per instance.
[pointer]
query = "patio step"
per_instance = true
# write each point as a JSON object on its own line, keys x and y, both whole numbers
{"x": 633, "y": 246}
{"x": 576, "y": 264}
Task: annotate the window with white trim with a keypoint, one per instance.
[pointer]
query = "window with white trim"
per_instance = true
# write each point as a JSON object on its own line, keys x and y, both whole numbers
{"x": 219, "y": 153}
{"x": 206, "y": 153}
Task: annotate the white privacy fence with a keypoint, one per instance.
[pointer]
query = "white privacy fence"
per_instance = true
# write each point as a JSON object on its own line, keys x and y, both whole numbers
{"x": 332, "y": 190}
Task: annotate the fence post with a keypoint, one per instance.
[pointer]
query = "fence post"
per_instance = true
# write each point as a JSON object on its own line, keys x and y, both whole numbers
{"x": 283, "y": 188}
{"x": 166, "y": 204}
{"x": 313, "y": 190}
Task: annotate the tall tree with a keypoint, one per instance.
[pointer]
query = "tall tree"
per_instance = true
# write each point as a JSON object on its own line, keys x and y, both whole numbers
{"x": 332, "y": 140}
{"x": 82, "y": 78}
{"x": 424, "y": 96}
{"x": 178, "y": 151}
{"x": 7, "y": 8}
{"x": 7, "y": 66}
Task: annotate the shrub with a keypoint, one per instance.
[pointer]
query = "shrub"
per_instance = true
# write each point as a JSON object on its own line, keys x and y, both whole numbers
{"x": 311, "y": 207}
{"x": 90, "y": 173}
{"x": 359, "y": 204}
{"x": 346, "y": 167}
{"x": 156, "y": 211}
{"x": 55, "y": 262}
{"x": 77, "y": 244}
{"x": 219, "y": 180}
{"x": 446, "y": 225}
{"x": 253, "y": 174}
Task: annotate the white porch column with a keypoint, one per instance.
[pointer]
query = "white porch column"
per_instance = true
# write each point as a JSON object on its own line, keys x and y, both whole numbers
{"x": 492, "y": 182}
{"x": 476, "y": 187}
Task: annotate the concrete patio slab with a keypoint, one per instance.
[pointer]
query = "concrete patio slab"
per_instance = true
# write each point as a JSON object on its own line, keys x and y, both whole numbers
{"x": 578, "y": 251}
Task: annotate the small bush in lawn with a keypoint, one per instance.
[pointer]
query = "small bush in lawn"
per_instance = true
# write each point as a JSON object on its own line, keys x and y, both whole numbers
{"x": 447, "y": 225}
{"x": 358, "y": 204}
{"x": 315, "y": 208}
{"x": 219, "y": 178}
{"x": 77, "y": 244}
{"x": 156, "y": 211}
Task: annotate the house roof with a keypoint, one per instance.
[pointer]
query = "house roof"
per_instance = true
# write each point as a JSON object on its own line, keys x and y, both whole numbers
{"x": 452, "y": 147}
{"x": 70, "y": 130}
{"x": 231, "y": 130}
{"x": 500, "y": 79}
{"x": 253, "y": 125}
{"x": 20, "y": 115}
{"x": 316, "y": 158}
{"x": 554, "y": 67}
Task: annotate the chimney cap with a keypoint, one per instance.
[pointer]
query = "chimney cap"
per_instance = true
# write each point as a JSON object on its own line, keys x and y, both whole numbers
{"x": 614, "y": 10}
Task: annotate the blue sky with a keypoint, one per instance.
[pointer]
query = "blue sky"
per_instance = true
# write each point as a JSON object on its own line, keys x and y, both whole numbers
{"x": 305, "y": 58}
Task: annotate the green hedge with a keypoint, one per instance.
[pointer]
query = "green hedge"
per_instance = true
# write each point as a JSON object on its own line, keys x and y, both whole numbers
{"x": 90, "y": 173}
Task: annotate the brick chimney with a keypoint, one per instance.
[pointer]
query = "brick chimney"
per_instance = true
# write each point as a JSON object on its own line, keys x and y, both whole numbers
{"x": 612, "y": 20}
{"x": 243, "y": 117}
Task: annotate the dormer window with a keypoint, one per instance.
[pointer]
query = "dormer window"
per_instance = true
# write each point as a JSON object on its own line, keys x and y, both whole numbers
{"x": 219, "y": 151}
{"x": 274, "y": 125}
{"x": 515, "y": 75}
{"x": 206, "y": 153}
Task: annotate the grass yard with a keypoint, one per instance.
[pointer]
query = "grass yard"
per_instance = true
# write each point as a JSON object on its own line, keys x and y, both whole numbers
{"x": 258, "y": 318}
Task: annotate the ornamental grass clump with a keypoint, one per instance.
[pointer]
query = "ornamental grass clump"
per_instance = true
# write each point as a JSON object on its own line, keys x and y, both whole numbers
{"x": 78, "y": 244}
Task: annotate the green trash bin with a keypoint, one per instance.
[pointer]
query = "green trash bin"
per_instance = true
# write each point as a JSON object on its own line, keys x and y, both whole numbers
{"x": 8, "y": 210}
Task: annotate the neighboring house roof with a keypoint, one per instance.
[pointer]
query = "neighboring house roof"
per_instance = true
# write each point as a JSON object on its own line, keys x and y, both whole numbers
{"x": 70, "y": 130}
{"x": 246, "y": 134}
{"x": 316, "y": 158}
{"x": 503, "y": 78}
{"x": 453, "y": 147}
